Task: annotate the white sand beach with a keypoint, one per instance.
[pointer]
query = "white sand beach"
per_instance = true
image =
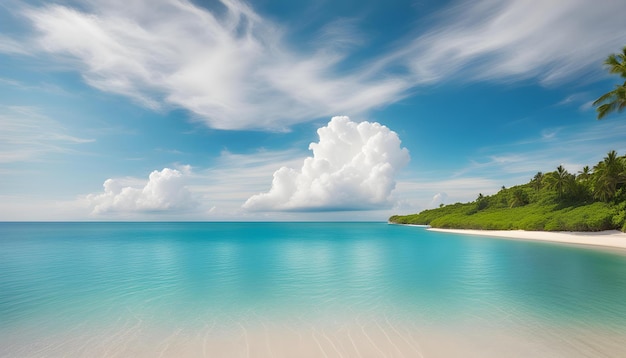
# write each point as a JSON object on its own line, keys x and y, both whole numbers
{"x": 609, "y": 239}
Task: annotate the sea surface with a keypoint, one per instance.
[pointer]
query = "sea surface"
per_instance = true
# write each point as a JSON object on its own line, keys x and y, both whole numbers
{"x": 301, "y": 289}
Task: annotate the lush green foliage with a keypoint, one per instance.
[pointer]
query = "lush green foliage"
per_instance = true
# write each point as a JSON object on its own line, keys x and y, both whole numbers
{"x": 556, "y": 201}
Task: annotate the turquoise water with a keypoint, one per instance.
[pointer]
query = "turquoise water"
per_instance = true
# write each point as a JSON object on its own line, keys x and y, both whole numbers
{"x": 183, "y": 276}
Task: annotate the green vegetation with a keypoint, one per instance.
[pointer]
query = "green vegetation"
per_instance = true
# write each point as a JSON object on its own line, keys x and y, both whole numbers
{"x": 592, "y": 200}
{"x": 614, "y": 100}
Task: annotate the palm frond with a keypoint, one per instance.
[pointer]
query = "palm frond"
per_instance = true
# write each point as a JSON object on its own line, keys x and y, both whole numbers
{"x": 605, "y": 97}
{"x": 605, "y": 109}
{"x": 614, "y": 100}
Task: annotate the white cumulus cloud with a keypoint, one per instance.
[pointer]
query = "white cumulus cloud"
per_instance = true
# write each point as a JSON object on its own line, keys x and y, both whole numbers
{"x": 353, "y": 167}
{"x": 165, "y": 190}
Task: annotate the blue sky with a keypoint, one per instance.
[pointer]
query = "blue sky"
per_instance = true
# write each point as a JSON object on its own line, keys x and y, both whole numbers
{"x": 288, "y": 110}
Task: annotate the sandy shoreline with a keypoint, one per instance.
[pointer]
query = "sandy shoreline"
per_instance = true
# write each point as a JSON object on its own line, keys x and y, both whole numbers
{"x": 609, "y": 239}
{"x": 353, "y": 338}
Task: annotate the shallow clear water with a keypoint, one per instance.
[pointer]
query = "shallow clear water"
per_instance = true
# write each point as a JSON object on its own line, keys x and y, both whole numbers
{"x": 107, "y": 277}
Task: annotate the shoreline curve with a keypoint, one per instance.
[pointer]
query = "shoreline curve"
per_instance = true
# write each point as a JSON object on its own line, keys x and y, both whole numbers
{"x": 613, "y": 239}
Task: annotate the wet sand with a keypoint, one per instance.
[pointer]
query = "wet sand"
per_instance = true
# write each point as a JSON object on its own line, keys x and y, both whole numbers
{"x": 379, "y": 338}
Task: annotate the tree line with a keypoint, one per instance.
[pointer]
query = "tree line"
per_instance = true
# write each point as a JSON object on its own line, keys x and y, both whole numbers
{"x": 591, "y": 199}
{"x": 604, "y": 182}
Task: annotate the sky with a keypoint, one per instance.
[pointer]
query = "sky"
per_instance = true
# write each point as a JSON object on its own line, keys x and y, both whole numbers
{"x": 285, "y": 110}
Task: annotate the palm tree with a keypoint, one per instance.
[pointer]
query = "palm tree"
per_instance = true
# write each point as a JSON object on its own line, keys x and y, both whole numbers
{"x": 609, "y": 173}
{"x": 558, "y": 180}
{"x": 584, "y": 174}
{"x": 537, "y": 181}
{"x": 519, "y": 198}
{"x": 614, "y": 100}
{"x": 481, "y": 202}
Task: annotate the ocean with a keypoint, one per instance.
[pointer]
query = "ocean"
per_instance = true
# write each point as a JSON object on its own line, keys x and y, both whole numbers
{"x": 301, "y": 289}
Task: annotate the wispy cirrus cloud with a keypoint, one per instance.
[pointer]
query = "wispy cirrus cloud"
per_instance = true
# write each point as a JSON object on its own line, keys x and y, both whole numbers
{"x": 29, "y": 135}
{"x": 11, "y": 46}
{"x": 517, "y": 39}
{"x": 229, "y": 67}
